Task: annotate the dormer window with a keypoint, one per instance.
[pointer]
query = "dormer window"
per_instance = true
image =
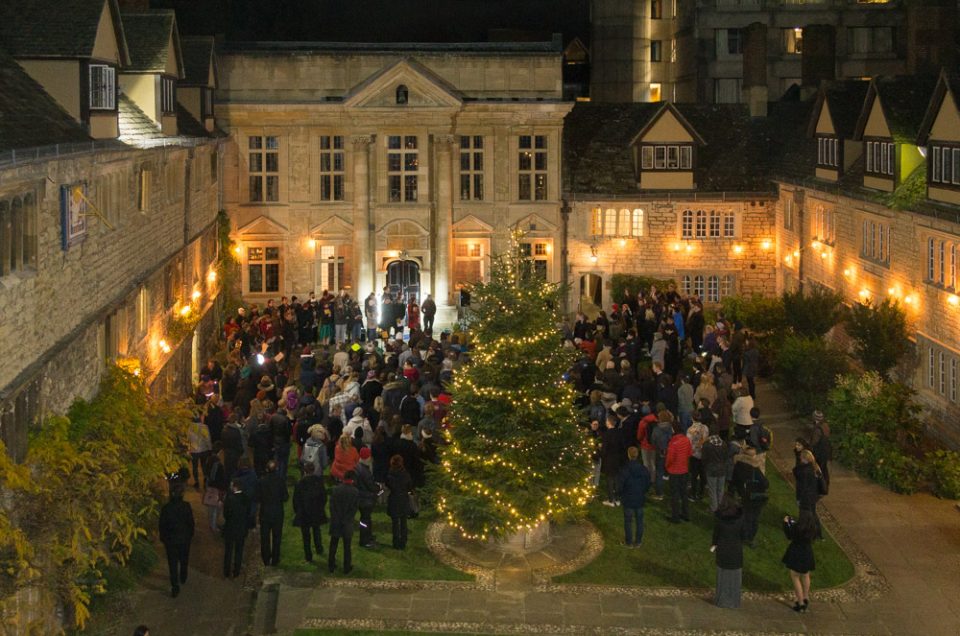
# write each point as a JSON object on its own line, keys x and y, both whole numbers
{"x": 666, "y": 157}
{"x": 880, "y": 158}
{"x": 402, "y": 94}
{"x": 168, "y": 95}
{"x": 103, "y": 87}
{"x": 828, "y": 155}
{"x": 944, "y": 165}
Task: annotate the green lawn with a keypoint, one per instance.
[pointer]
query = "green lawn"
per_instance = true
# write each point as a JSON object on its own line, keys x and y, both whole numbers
{"x": 382, "y": 562}
{"x": 679, "y": 556}
{"x": 353, "y": 632}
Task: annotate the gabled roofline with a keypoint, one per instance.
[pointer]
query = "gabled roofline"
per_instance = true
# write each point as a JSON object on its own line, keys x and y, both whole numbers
{"x": 933, "y": 109}
{"x": 349, "y": 98}
{"x": 118, "y": 33}
{"x": 817, "y": 111}
{"x": 872, "y": 95}
{"x": 668, "y": 106}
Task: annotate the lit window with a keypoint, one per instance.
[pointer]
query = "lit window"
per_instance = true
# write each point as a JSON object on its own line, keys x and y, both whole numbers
{"x": 403, "y": 164}
{"x": 263, "y": 269}
{"x": 331, "y": 170}
{"x": 264, "y": 169}
{"x": 655, "y": 91}
{"x": 103, "y": 87}
{"x": 532, "y": 168}
{"x": 471, "y": 168}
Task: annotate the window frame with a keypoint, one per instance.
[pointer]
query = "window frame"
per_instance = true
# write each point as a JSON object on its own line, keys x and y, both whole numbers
{"x": 881, "y": 157}
{"x": 403, "y": 182}
{"x": 943, "y": 165}
{"x": 660, "y": 157}
{"x": 263, "y": 262}
{"x": 168, "y": 95}
{"x": 106, "y": 98}
{"x": 472, "y": 176}
{"x": 332, "y": 179}
{"x": 533, "y": 181}
{"x": 264, "y": 175}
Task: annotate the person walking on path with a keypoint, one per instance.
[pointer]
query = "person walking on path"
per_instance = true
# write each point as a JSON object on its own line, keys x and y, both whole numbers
{"x": 236, "y": 509}
{"x": 310, "y": 510}
{"x": 400, "y": 484}
{"x": 728, "y": 550}
{"x": 176, "y": 534}
{"x": 677, "y": 468}
{"x": 634, "y": 484}
{"x": 799, "y": 556}
{"x": 271, "y": 495}
{"x": 344, "y": 502}
{"x": 819, "y": 441}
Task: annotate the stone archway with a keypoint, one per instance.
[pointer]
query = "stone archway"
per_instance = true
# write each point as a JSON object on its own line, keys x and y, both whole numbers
{"x": 591, "y": 295}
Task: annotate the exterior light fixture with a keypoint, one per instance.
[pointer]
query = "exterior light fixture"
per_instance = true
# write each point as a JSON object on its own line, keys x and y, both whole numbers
{"x": 864, "y": 295}
{"x": 676, "y": 247}
{"x": 212, "y": 276}
{"x": 623, "y": 242}
{"x": 738, "y": 249}
{"x": 237, "y": 249}
{"x": 766, "y": 245}
{"x": 817, "y": 245}
{"x": 311, "y": 243}
{"x": 823, "y": 254}
{"x": 789, "y": 259}
{"x": 954, "y": 300}
{"x": 195, "y": 295}
{"x": 164, "y": 346}
{"x": 185, "y": 311}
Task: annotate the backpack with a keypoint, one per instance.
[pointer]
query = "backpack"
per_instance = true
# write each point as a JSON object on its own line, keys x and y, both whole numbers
{"x": 763, "y": 438}
{"x": 311, "y": 453}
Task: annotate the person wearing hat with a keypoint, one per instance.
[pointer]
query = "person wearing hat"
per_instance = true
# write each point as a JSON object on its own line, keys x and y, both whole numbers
{"x": 266, "y": 385}
{"x": 369, "y": 490}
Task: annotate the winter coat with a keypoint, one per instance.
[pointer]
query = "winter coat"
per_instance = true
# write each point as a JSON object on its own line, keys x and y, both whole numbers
{"x": 751, "y": 362}
{"x": 807, "y": 492}
{"x": 344, "y": 461}
{"x": 714, "y": 456}
{"x": 727, "y": 537}
{"x": 661, "y": 437}
{"x": 678, "y": 455}
{"x": 642, "y": 434}
{"x": 236, "y": 510}
{"x": 176, "y": 522}
{"x": 741, "y": 410}
{"x": 412, "y": 461}
{"x": 309, "y": 502}
{"x": 367, "y": 486}
{"x": 612, "y": 451}
{"x": 685, "y": 398}
{"x": 271, "y": 493}
{"x": 358, "y": 421}
{"x": 344, "y": 503}
{"x": 315, "y": 452}
{"x": 400, "y": 484}
{"x": 634, "y": 484}
{"x": 697, "y": 434}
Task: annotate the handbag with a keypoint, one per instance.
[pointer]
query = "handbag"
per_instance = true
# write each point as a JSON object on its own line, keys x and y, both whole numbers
{"x": 211, "y": 496}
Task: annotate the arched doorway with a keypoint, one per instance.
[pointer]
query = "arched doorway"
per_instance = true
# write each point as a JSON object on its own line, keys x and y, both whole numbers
{"x": 591, "y": 295}
{"x": 403, "y": 277}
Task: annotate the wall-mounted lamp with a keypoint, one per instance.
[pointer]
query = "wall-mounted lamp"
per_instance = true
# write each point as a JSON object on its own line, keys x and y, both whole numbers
{"x": 766, "y": 244}
{"x": 738, "y": 249}
{"x": 212, "y": 276}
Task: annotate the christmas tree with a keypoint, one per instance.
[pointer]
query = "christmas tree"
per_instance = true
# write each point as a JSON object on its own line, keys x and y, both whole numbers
{"x": 517, "y": 456}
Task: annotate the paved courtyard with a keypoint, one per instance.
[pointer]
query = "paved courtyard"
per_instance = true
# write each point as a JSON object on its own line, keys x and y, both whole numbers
{"x": 906, "y": 549}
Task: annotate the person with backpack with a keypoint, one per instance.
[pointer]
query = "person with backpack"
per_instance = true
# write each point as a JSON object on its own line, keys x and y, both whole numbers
{"x": 315, "y": 450}
{"x": 309, "y": 510}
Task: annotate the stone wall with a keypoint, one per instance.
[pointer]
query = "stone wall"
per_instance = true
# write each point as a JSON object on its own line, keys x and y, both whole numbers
{"x": 111, "y": 294}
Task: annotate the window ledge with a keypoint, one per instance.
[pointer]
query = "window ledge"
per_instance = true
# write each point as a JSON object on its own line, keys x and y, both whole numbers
{"x": 940, "y": 286}
{"x": 16, "y": 278}
{"x": 874, "y": 261}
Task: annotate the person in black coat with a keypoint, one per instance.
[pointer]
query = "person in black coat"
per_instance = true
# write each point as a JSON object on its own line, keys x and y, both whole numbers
{"x": 369, "y": 490}
{"x": 400, "y": 484}
{"x": 612, "y": 456}
{"x": 344, "y": 503}
{"x": 236, "y": 508}
{"x": 799, "y": 555}
{"x": 412, "y": 461}
{"x": 310, "y": 510}
{"x": 728, "y": 550}
{"x": 271, "y": 494}
{"x": 176, "y": 534}
{"x": 261, "y": 442}
{"x": 634, "y": 483}
{"x": 807, "y": 476}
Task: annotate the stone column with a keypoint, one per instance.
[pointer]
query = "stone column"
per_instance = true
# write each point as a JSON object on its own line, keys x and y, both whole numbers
{"x": 443, "y": 220}
{"x": 362, "y": 249}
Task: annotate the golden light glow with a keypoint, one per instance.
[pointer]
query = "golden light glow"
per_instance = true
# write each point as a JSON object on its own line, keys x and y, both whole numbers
{"x": 212, "y": 276}
{"x": 688, "y": 247}
{"x": 238, "y": 249}
{"x": 864, "y": 294}
{"x": 954, "y": 300}
{"x": 164, "y": 346}
{"x": 185, "y": 311}
{"x": 593, "y": 258}
{"x": 311, "y": 243}
{"x": 549, "y": 247}
{"x": 796, "y": 253}
{"x": 817, "y": 245}
{"x": 910, "y": 299}
{"x": 623, "y": 242}
{"x": 848, "y": 272}
{"x": 738, "y": 249}
{"x": 823, "y": 254}
{"x": 766, "y": 245}
{"x": 892, "y": 291}
{"x": 676, "y": 247}
{"x": 789, "y": 259}
{"x": 195, "y": 295}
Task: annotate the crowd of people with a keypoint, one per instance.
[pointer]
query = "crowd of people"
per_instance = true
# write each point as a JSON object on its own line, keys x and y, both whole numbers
{"x": 669, "y": 400}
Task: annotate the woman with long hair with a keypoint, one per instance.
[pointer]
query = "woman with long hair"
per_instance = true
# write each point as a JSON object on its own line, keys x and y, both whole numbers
{"x": 345, "y": 457}
{"x": 799, "y": 555}
{"x": 808, "y": 475}
{"x": 400, "y": 484}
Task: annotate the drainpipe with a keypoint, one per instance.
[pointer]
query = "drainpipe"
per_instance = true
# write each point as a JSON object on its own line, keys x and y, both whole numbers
{"x": 799, "y": 199}
{"x": 564, "y": 234}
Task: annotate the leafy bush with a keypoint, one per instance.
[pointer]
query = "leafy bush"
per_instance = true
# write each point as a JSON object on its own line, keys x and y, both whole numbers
{"x": 759, "y": 314}
{"x": 875, "y": 430}
{"x": 812, "y": 313}
{"x": 943, "y": 471}
{"x": 879, "y": 333}
{"x": 807, "y": 368}
{"x": 622, "y": 282}
{"x": 87, "y": 490}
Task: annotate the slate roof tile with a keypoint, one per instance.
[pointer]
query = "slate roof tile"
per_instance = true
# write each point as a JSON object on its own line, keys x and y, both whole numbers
{"x": 197, "y": 52}
{"x": 148, "y": 36}
{"x": 54, "y": 28}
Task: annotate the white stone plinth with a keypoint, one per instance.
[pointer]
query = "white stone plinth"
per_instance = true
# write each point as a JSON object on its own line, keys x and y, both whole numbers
{"x": 526, "y": 541}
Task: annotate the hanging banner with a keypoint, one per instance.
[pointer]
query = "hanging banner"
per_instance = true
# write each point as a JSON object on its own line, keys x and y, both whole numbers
{"x": 73, "y": 211}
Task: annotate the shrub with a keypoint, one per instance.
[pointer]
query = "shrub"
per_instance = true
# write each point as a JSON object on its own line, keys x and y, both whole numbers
{"x": 759, "y": 314}
{"x": 879, "y": 333}
{"x": 813, "y": 313}
{"x": 874, "y": 429}
{"x": 943, "y": 471}
{"x": 635, "y": 283}
{"x": 807, "y": 369}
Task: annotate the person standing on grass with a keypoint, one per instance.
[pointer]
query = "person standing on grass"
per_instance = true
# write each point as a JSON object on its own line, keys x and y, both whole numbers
{"x": 634, "y": 483}
{"x": 714, "y": 458}
{"x": 799, "y": 556}
{"x": 728, "y": 552}
{"x": 236, "y": 510}
{"x": 697, "y": 434}
{"x": 310, "y": 510}
{"x": 612, "y": 454}
{"x": 400, "y": 485}
{"x": 176, "y": 534}
{"x": 677, "y": 468}
{"x": 271, "y": 494}
{"x": 344, "y": 503}
{"x": 369, "y": 491}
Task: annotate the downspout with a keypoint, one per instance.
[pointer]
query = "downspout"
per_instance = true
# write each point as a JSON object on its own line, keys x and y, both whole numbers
{"x": 564, "y": 234}
{"x": 799, "y": 200}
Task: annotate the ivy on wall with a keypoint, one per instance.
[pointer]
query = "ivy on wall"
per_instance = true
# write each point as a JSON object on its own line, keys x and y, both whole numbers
{"x": 90, "y": 485}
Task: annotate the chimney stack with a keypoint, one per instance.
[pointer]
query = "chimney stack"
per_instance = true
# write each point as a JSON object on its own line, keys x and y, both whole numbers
{"x": 755, "y": 91}
{"x": 818, "y": 60}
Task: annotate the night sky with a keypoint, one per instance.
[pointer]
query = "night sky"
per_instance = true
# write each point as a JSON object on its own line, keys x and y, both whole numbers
{"x": 382, "y": 20}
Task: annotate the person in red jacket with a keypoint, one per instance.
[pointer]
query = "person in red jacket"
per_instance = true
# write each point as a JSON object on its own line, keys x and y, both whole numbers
{"x": 648, "y": 452}
{"x": 677, "y": 465}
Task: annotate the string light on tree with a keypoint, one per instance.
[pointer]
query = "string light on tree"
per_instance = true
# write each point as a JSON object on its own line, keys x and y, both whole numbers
{"x": 517, "y": 456}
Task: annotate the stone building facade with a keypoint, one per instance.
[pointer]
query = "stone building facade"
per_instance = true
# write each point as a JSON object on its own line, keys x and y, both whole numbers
{"x": 363, "y": 166}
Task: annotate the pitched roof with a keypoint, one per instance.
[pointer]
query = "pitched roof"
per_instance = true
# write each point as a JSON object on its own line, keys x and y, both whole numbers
{"x": 29, "y": 117}
{"x": 740, "y": 153}
{"x": 135, "y": 127}
{"x": 56, "y": 28}
{"x": 198, "y": 52}
{"x": 844, "y": 100}
{"x": 904, "y": 102}
{"x": 149, "y": 34}
{"x": 948, "y": 82}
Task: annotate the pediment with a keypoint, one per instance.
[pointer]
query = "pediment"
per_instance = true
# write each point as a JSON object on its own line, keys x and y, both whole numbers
{"x": 535, "y": 224}
{"x": 471, "y": 225}
{"x": 424, "y": 88}
{"x": 825, "y": 121}
{"x": 262, "y": 226}
{"x": 668, "y": 125}
{"x": 332, "y": 227}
